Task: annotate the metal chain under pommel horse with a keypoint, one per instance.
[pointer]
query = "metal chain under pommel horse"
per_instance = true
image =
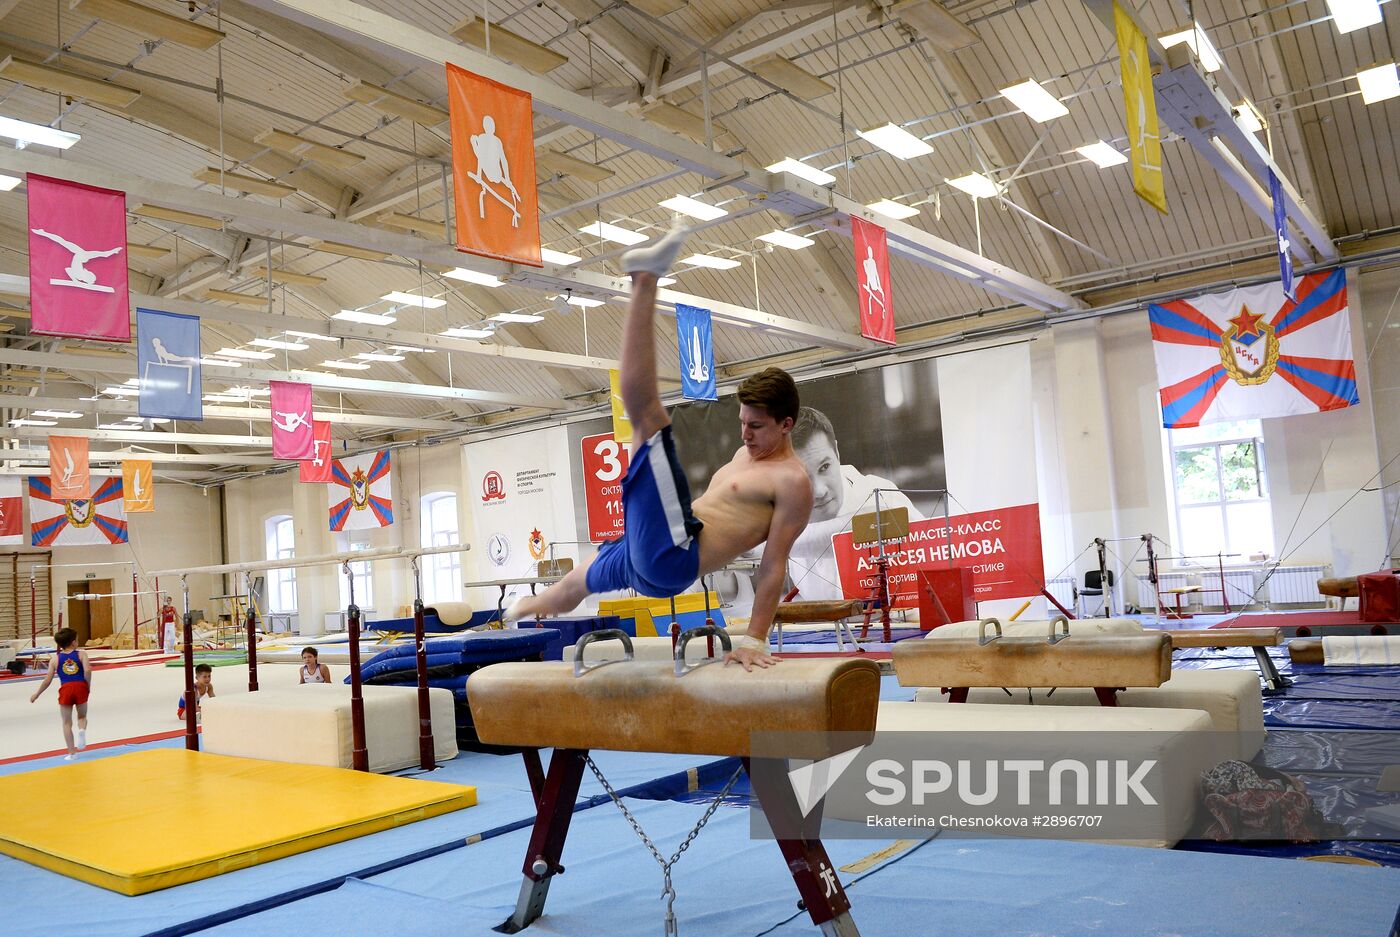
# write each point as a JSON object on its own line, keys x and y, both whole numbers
{"x": 799, "y": 709}
{"x": 360, "y": 751}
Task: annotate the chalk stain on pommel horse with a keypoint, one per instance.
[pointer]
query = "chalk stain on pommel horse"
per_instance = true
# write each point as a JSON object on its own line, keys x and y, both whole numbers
{"x": 1107, "y": 663}
{"x": 824, "y": 706}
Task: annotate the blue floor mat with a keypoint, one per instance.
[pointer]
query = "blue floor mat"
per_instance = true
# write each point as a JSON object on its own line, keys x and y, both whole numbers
{"x": 504, "y": 802}
{"x": 1035, "y": 888}
{"x": 727, "y": 884}
{"x": 1283, "y": 712}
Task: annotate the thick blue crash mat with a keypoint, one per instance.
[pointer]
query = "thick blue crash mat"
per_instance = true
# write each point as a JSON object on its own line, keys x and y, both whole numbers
{"x": 470, "y": 650}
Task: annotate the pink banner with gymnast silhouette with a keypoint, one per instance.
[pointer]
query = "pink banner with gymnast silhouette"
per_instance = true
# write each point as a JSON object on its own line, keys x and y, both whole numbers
{"x": 493, "y": 168}
{"x": 293, "y": 435}
{"x": 874, "y": 292}
{"x": 77, "y": 260}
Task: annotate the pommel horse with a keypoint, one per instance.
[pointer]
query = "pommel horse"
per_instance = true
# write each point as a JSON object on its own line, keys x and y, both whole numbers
{"x": 1106, "y": 663}
{"x": 676, "y": 708}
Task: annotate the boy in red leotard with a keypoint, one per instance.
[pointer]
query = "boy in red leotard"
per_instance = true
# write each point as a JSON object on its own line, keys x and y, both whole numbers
{"x": 74, "y": 685}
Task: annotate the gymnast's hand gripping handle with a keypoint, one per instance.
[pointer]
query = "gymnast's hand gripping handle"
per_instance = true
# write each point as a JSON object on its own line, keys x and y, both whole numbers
{"x": 982, "y": 638}
{"x": 606, "y": 634}
{"x": 702, "y": 631}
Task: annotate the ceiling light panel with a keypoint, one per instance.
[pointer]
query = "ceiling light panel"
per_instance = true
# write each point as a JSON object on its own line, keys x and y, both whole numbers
{"x": 1351, "y": 15}
{"x": 175, "y": 216}
{"x": 245, "y": 353}
{"x": 278, "y": 275}
{"x": 892, "y": 209}
{"x": 366, "y": 318}
{"x": 611, "y": 232}
{"x": 714, "y": 263}
{"x": 572, "y": 166}
{"x": 793, "y": 242}
{"x": 346, "y": 365}
{"x": 800, "y": 169}
{"x": 349, "y": 250}
{"x": 1101, "y": 154}
{"x": 278, "y": 343}
{"x": 976, "y": 185}
{"x": 313, "y": 336}
{"x": 517, "y": 317}
{"x": 412, "y": 299}
{"x": 1034, "y": 101}
{"x": 558, "y": 257}
{"x": 378, "y": 356}
{"x": 467, "y": 333}
{"x": 1379, "y": 84}
{"x": 474, "y": 276}
{"x": 25, "y": 132}
{"x": 896, "y": 141}
{"x": 694, "y": 208}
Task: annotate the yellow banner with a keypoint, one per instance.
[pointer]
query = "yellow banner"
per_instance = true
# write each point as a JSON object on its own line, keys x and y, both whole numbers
{"x": 622, "y": 427}
{"x": 138, "y": 487}
{"x": 1140, "y": 110}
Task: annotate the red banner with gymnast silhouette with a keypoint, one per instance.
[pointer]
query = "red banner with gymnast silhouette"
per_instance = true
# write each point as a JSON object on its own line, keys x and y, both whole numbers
{"x": 77, "y": 260}
{"x": 493, "y": 168}
{"x": 875, "y": 294}
{"x": 1001, "y": 547}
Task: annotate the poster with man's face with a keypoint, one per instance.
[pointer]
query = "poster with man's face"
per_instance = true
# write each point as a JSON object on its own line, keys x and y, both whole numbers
{"x": 885, "y": 435}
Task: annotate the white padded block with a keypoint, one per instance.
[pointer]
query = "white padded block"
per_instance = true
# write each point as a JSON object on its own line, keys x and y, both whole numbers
{"x": 658, "y": 648}
{"x": 1162, "y": 734}
{"x": 1231, "y": 698}
{"x": 1039, "y": 628}
{"x": 311, "y": 725}
{"x": 1361, "y": 649}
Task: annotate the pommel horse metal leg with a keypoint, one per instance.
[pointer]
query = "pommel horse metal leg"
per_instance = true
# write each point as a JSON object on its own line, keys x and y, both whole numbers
{"x": 554, "y": 810}
{"x": 1273, "y": 680}
{"x": 812, "y": 869}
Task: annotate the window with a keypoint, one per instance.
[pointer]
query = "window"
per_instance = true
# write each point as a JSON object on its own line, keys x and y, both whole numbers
{"x": 282, "y": 583}
{"x": 364, "y": 582}
{"x": 1222, "y": 491}
{"x": 442, "y": 572}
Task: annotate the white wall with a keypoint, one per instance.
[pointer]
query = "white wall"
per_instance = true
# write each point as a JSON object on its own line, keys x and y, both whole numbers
{"x": 415, "y": 471}
{"x": 1103, "y": 470}
{"x": 183, "y": 530}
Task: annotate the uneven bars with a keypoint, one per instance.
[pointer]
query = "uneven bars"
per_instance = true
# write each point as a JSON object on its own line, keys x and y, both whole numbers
{"x": 94, "y": 596}
{"x": 324, "y": 559}
{"x": 82, "y": 565}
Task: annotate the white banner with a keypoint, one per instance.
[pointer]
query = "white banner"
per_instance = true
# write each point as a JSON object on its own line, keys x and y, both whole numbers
{"x": 521, "y": 492}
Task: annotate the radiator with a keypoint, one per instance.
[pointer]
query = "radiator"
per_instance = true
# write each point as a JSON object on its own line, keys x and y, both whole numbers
{"x": 1293, "y": 585}
{"x": 1062, "y": 589}
{"x": 1166, "y": 581}
{"x": 1239, "y": 587}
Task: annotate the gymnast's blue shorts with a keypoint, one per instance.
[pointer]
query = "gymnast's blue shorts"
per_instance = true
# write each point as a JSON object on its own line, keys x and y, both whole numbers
{"x": 659, "y": 552}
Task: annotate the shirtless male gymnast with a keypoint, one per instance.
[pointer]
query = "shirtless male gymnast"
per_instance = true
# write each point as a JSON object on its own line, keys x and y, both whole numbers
{"x": 762, "y": 495}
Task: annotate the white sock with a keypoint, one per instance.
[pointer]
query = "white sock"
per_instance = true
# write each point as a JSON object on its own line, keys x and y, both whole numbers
{"x": 82, "y": 739}
{"x": 67, "y": 757}
{"x": 657, "y": 256}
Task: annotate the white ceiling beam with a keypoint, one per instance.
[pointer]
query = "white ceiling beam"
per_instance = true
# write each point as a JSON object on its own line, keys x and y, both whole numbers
{"x": 175, "y": 474}
{"x": 1191, "y": 104}
{"x": 832, "y": 211}
{"x": 105, "y": 456}
{"x": 358, "y": 23}
{"x": 214, "y": 412}
{"x": 141, "y": 436}
{"x": 419, "y": 175}
{"x": 126, "y": 367}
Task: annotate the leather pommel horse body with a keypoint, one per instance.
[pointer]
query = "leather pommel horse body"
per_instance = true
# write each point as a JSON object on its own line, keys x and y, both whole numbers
{"x": 659, "y": 706}
{"x": 1106, "y": 663}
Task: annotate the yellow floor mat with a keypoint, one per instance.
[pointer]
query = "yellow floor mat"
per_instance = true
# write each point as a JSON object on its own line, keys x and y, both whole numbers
{"x": 148, "y": 820}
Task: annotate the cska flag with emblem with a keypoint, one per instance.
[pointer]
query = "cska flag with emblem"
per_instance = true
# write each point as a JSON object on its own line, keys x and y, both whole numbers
{"x": 1253, "y": 353}
{"x": 54, "y": 522}
{"x": 361, "y": 495}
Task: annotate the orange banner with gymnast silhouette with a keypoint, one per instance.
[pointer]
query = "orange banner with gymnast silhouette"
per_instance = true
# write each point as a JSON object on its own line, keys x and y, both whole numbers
{"x": 68, "y": 467}
{"x": 1001, "y": 547}
{"x": 138, "y": 486}
{"x": 493, "y": 168}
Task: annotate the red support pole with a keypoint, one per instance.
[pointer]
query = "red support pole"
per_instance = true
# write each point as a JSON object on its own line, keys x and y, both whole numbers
{"x": 426, "y": 759}
{"x": 135, "y": 614}
{"x": 359, "y": 756}
{"x": 33, "y": 615}
{"x": 191, "y": 697}
{"x": 252, "y": 647}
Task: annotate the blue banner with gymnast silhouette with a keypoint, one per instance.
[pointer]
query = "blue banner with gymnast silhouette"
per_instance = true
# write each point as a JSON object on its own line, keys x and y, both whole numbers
{"x": 695, "y": 337}
{"x": 167, "y": 365}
